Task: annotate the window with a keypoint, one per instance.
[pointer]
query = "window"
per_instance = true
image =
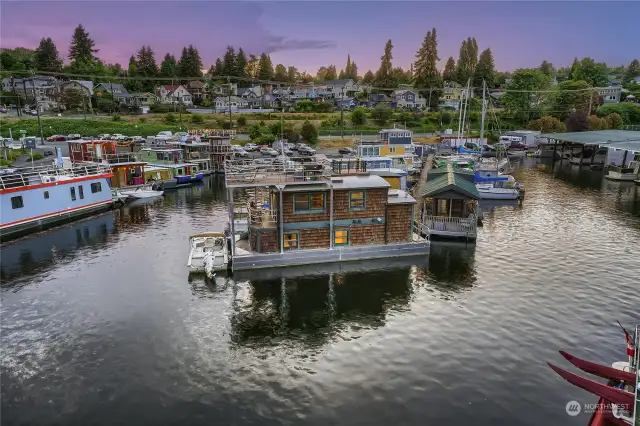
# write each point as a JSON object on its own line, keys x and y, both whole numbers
{"x": 16, "y": 202}
{"x": 303, "y": 203}
{"x": 46, "y": 195}
{"x": 291, "y": 240}
{"x": 96, "y": 187}
{"x": 73, "y": 193}
{"x": 357, "y": 200}
{"x": 392, "y": 149}
{"x": 81, "y": 191}
{"x": 341, "y": 237}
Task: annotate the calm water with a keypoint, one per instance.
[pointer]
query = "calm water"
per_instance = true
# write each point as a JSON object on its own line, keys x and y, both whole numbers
{"x": 100, "y": 325}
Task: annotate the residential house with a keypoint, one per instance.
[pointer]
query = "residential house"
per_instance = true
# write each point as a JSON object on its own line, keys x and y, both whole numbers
{"x": 234, "y": 102}
{"x": 85, "y": 85}
{"x": 197, "y": 89}
{"x": 346, "y": 103}
{"x": 252, "y": 95}
{"x": 611, "y": 94}
{"x": 409, "y": 99}
{"x": 452, "y": 94}
{"x": 118, "y": 91}
{"x": 374, "y": 99}
{"x": 335, "y": 89}
{"x": 168, "y": 94}
{"x": 223, "y": 89}
{"x": 42, "y": 89}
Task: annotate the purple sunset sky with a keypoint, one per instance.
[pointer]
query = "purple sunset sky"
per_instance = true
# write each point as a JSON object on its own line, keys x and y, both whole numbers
{"x": 311, "y": 34}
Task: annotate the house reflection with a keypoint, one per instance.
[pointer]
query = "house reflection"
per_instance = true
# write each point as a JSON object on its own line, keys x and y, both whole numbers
{"x": 451, "y": 266}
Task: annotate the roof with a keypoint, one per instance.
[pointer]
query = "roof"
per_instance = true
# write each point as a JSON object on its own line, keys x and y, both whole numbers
{"x": 113, "y": 86}
{"x": 359, "y": 182}
{"x": 397, "y": 196}
{"x": 450, "y": 181}
{"x": 85, "y": 83}
{"x": 170, "y": 87}
{"x": 387, "y": 172}
{"x": 226, "y": 99}
{"x": 317, "y": 187}
{"x": 342, "y": 82}
{"x": 597, "y": 137}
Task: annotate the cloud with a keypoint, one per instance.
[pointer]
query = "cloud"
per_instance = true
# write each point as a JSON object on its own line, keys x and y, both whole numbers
{"x": 279, "y": 44}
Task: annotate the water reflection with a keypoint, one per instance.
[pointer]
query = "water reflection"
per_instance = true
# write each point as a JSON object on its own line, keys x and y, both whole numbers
{"x": 451, "y": 266}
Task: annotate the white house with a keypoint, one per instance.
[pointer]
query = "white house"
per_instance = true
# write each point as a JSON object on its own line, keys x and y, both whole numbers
{"x": 408, "y": 99}
{"x": 168, "y": 94}
{"x": 252, "y": 95}
{"x": 337, "y": 89}
{"x": 222, "y": 103}
{"x": 611, "y": 94}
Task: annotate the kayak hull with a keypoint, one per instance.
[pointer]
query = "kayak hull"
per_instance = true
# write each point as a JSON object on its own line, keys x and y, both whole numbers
{"x": 599, "y": 370}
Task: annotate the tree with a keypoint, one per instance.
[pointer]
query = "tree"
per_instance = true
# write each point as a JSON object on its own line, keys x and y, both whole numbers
{"x": 485, "y": 70}
{"x": 331, "y": 73}
{"x": 467, "y": 60}
{"x": 309, "y": 133}
{"x": 425, "y": 71}
{"x": 449, "y": 73}
{"x": 218, "y": 68}
{"x": 547, "y": 68}
{"x": 593, "y": 73}
{"x": 571, "y": 96}
{"x": 252, "y": 65}
{"x": 73, "y": 98}
{"x": 229, "y": 62}
{"x": 146, "y": 63}
{"x": 359, "y": 116}
{"x": 381, "y": 114}
{"x": 190, "y": 64}
{"x": 350, "y": 70}
{"x": 292, "y": 74}
{"x": 46, "y": 56}
{"x": 577, "y": 122}
{"x": 575, "y": 66}
{"x": 384, "y": 76}
{"x": 614, "y": 120}
{"x": 520, "y": 98}
{"x": 400, "y": 76}
{"x": 82, "y": 46}
{"x": 168, "y": 67}
{"x": 265, "y": 67}
{"x": 241, "y": 64}
{"x": 547, "y": 124}
{"x": 280, "y": 73}
{"x": 633, "y": 71}
{"x": 596, "y": 123}
{"x": 368, "y": 77}
{"x": 133, "y": 85}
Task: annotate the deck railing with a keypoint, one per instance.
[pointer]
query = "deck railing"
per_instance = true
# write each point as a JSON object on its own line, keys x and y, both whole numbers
{"x": 451, "y": 224}
{"x": 46, "y": 174}
{"x": 247, "y": 172}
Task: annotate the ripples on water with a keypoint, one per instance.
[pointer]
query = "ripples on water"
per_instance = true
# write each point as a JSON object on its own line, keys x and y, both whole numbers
{"x": 101, "y": 326}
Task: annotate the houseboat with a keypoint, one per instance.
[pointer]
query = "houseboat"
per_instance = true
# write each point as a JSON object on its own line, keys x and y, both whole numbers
{"x": 41, "y": 197}
{"x": 397, "y": 178}
{"x": 625, "y": 172}
{"x": 307, "y": 215}
{"x": 220, "y": 150}
{"x": 450, "y": 203}
{"x": 395, "y": 144}
{"x": 196, "y": 152}
{"x": 172, "y": 159}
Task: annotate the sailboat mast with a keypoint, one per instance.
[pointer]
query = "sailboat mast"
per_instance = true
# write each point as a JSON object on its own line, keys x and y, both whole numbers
{"x": 484, "y": 111}
{"x": 466, "y": 105}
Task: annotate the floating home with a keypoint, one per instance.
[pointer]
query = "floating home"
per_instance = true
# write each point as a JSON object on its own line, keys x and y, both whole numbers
{"x": 395, "y": 145}
{"x": 198, "y": 153}
{"x": 37, "y": 198}
{"x": 127, "y": 169}
{"x": 450, "y": 203}
{"x": 308, "y": 215}
{"x": 220, "y": 150}
{"x": 397, "y": 178}
{"x": 181, "y": 173}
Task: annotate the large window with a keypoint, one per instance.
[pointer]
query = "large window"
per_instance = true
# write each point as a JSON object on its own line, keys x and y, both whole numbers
{"x": 357, "y": 200}
{"x": 81, "y": 191}
{"x": 73, "y": 193}
{"x": 341, "y": 237}
{"x": 96, "y": 187}
{"x": 291, "y": 240}
{"x": 313, "y": 202}
{"x": 16, "y": 202}
{"x": 370, "y": 151}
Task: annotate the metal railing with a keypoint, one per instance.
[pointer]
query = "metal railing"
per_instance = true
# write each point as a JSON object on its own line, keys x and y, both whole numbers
{"x": 243, "y": 172}
{"x": 123, "y": 157}
{"x": 467, "y": 225}
{"x": 636, "y": 412}
{"x": 46, "y": 174}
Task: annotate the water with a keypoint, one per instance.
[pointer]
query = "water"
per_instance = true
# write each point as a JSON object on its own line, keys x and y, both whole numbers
{"x": 106, "y": 329}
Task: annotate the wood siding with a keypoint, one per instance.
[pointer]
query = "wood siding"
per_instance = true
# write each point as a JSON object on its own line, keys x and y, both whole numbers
{"x": 376, "y": 205}
{"x": 290, "y": 216}
{"x": 268, "y": 241}
{"x": 366, "y": 235}
{"x": 399, "y": 223}
{"x": 314, "y": 238}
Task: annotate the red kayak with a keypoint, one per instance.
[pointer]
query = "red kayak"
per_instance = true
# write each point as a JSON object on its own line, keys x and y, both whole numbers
{"x": 616, "y": 396}
{"x": 603, "y": 371}
{"x": 603, "y": 416}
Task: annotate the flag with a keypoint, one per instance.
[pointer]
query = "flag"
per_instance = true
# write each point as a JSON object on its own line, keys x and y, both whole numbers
{"x": 630, "y": 345}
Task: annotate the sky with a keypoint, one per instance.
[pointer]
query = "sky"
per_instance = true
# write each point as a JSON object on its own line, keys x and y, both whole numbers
{"x": 311, "y": 34}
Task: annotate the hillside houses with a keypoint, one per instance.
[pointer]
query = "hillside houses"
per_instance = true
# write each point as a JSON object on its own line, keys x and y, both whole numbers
{"x": 168, "y": 94}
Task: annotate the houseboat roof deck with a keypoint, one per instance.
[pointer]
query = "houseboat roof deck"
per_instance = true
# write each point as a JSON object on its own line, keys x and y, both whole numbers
{"x": 251, "y": 173}
{"x": 398, "y": 196}
{"x": 609, "y": 138}
{"x": 14, "y": 178}
{"x": 359, "y": 181}
{"x": 173, "y": 165}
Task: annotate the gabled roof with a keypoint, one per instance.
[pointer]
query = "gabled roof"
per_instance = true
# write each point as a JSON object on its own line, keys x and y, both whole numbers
{"x": 169, "y": 87}
{"x": 334, "y": 83}
{"x": 450, "y": 181}
{"x": 112, "y": 86}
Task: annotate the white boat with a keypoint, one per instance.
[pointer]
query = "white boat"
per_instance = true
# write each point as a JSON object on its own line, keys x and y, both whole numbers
{"x": 490, "y": 192}
{"x": 517, "y": 153}
{"x": 208, "y": 253}
{"x": 141, "y": 191}
{"x": 625, "y": 174}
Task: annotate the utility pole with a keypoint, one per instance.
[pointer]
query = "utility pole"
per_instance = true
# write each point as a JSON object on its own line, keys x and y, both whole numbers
{"x": 342, "y": 115}
{"x": 35, "y": 97}
{"x": 17, "y": 98}
{"x": 229, "y": 102}
{"x": 484, "y": 111}
{"x": 113, "y": 99}
{"x": 590, "y": 102}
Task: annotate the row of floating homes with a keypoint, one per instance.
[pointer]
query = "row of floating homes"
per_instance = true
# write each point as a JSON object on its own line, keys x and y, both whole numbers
{"x": 310, "y": 214}
{"x": 617, "y": 152}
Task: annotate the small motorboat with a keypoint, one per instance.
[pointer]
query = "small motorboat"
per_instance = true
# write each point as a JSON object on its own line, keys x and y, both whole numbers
{"x": 209, "y": 253}
{"x": 141, "y": 191}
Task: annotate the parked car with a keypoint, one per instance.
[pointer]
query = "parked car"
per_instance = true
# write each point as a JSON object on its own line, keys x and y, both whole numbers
{"x": 33, "y": 112}
{"x": 104, "y": 136}
{"x": 346, "y": 151}
{"x": 56, "y": 138}
{"x": 3, "y": 110}
{"x": 48, "y": 153}
{"x": 239, "y": 152}
{"x": 269, "y": 151}
{"x": 305, "y": 150}
{"x": 250, "y": 147}
{"x": 118, "y": 137}
{"x": 298, "y": 146}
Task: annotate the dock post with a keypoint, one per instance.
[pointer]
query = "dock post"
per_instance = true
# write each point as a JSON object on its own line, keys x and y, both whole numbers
{"x": 281, "y": 217}
{"x": 232, "y": 223}
{"x": 624, "y": 159}
{"x": 330, "y": 215}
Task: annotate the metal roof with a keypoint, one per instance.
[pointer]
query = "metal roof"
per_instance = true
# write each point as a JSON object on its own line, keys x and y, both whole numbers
{"x": 597, "y": 137}
{"x": 397, "y": 196}
{"x": 627, "y": 146}
{"x": 450, "y": 181}
{"x": 359, "y": 182}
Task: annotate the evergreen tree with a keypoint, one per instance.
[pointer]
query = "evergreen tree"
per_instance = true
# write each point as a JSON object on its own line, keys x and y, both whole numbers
{"x": 332, "y": 73}
{"x": 633, "y": 71}
{"x": 82, "y": 46}
{"x": 546, "y": 67}
{"x": 384, "y": 76}
{"x": 280, "y": 73}
{"x": 229, "y": 62}
{"x": 241, "y": 64}
{"x": 190, "y": 64}
{"x": 472, "y": 45}
{"x": 168, "y": 67}
{"x": 485, "y": 70}
{"x": 575, "y": 66}
{"x": 265, "y": 67}
{"x": 133, "y": 85}
{"x": 350, "y": 70}
{"x": 463, "y": 63}
{"x": 369, "y": 77}
{"x": 449, "y": 73}
{"x": 46, "y": 56}
{"x": 146, "y": 63}
{"x": 219, "y": 68}
{"x": 426, "y": 73}
{"x": 292, "y": 74}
